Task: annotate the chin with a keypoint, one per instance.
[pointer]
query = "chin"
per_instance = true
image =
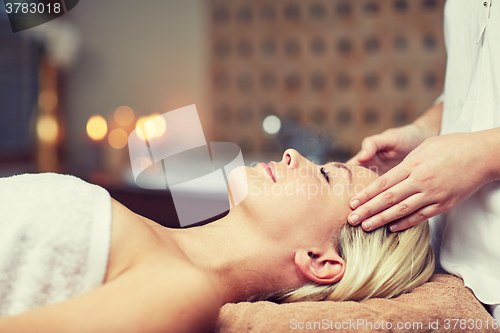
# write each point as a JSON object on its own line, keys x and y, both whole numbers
{"x": 238, "y": 184}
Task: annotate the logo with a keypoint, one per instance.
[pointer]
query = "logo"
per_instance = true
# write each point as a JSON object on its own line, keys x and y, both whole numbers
{"x": 170, "y": 152}
{"x": 26, "y": 14}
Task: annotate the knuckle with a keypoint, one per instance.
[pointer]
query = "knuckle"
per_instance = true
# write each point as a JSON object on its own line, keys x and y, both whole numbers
{"x": 426, "y": 178}
{"x": 421, "y": 216}
{"x": 435, "y": 192}
{"x": 383, "y": 183}
{"x": 404, "y": 209}
{"x": 407, "y": 224}
{"x": 413, "y": 163}
{"x": 368, "y": 211}
{"x": 389, "y": 197}
{"x": 361, "y": 196}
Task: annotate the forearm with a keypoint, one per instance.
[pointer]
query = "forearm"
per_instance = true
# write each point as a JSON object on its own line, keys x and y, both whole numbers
{"x": 488, "y": 143}
{"x": 430, "y": 120}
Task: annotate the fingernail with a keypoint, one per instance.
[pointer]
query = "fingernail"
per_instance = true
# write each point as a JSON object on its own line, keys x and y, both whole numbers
{"x": 354, "y": 204}
{"x": 393, "y": 227}
{"x": 367, "y": 225}
{"x": 354, "y": 218}
{"x": 362, "y": 153}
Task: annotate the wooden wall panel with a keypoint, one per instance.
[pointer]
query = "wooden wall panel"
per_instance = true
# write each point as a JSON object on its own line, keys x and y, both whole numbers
{"x": 351, "y": 68}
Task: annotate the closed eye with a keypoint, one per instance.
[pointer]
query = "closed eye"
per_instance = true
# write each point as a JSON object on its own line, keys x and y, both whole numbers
{"x": 324, "y": 173}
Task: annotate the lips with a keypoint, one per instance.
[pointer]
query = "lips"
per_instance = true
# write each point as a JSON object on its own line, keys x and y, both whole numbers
{"x": 272, "y": 167}
{"x": 270, "y": 170}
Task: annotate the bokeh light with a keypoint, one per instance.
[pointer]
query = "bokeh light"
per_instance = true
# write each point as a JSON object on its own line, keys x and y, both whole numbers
{"x": 47, "y": 129}
{"x": 154, "y": 129}
{"x": 47, "y": 100}
{"x": 97, "y": 128}
{"x": 124, "y": 115}
{"x": 157, "y": 127}
{"x": 151, "y": 126}
{"x": 118, "y": 138}
{"x": 138, "y": 128}
{"x": 271, "y": 124}
{"x": 161, "y": 127}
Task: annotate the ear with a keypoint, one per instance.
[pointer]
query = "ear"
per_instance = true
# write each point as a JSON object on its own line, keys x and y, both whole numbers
{"x": 325, "y": 267}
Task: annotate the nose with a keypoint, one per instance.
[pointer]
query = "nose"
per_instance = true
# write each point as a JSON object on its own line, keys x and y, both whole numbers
{"x": 292, "y": 158}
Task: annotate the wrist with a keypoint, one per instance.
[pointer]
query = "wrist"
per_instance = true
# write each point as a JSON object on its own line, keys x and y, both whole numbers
{"x": 430, "y": 122}
{"x": 425, "y": 130}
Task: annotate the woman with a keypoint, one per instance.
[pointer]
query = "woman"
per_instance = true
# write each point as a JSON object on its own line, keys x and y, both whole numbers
{"x": 287, "y": 241}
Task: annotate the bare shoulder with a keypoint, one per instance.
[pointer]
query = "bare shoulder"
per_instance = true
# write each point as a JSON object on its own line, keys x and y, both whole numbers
{"x": 175, "y": 288}
{"x": 172, "y": 287}
{"x": 131, "y": 239}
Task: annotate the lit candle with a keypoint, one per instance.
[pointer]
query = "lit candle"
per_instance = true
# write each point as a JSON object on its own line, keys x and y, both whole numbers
{"x": 97, "y": 128}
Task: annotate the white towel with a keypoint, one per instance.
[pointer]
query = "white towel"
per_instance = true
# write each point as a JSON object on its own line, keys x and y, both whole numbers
{"x": 55, "y": 233}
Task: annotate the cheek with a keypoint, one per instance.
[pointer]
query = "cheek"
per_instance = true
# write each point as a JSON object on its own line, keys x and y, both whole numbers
{"x": 292, "y": 202}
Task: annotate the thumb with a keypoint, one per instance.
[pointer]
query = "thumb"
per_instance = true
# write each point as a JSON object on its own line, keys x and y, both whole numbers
{"x": 368, "y": 149}
{"x": 374, "y": 144}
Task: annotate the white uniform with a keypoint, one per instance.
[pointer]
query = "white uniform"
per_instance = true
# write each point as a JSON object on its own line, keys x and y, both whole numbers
{"x": 470, "y": 233}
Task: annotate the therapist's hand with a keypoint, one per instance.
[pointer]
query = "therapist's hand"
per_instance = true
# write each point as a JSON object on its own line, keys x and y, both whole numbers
{"x": 383, "y": 151}
{"x": 439, "y": 174}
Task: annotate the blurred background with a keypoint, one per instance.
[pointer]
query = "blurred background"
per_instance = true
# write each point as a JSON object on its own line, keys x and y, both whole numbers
{"x": 314, "y": 75}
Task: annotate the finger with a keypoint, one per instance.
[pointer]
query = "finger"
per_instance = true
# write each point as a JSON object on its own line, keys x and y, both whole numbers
{"x": 375, "y": 164}
{"x": 368, "y": 149}
{"x": 354, "y": 160}
{"x": 357, "y": 159}
{"x": 376, "y": 144}
{"x": 389, "y": 179}
{"x": 397, "y": 211}
{"x": 381, "y": 203}
{"x": 415, "y": 218}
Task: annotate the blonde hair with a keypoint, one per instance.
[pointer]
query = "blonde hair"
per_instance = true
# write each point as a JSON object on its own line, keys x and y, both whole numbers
{"x": 379, "y": 264}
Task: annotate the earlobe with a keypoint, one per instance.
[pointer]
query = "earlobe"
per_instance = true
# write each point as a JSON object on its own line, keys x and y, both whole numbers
{"x": 321, "y": 267}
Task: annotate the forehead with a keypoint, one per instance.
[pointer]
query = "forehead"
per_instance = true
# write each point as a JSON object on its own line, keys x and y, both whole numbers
{"x": 359, "y": 176}
{"x": 337, "y": 166}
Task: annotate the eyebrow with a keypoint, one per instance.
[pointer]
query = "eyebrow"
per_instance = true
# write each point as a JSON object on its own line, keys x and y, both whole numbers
{"x": 342, "y": 166}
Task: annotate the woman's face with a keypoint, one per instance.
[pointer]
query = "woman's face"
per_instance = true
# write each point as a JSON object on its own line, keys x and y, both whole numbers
{"x": 297, "y": 198}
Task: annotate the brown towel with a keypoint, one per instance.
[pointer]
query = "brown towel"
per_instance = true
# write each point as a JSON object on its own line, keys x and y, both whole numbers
{"x": 441, "y": 305}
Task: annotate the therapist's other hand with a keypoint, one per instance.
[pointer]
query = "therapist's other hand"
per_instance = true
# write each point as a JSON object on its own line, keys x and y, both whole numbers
{"x": 439, "y": 174}
{"x": 383, "y": 151}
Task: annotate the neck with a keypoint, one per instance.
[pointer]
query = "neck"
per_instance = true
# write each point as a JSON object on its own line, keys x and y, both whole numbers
{"x": 237, "y": 259}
